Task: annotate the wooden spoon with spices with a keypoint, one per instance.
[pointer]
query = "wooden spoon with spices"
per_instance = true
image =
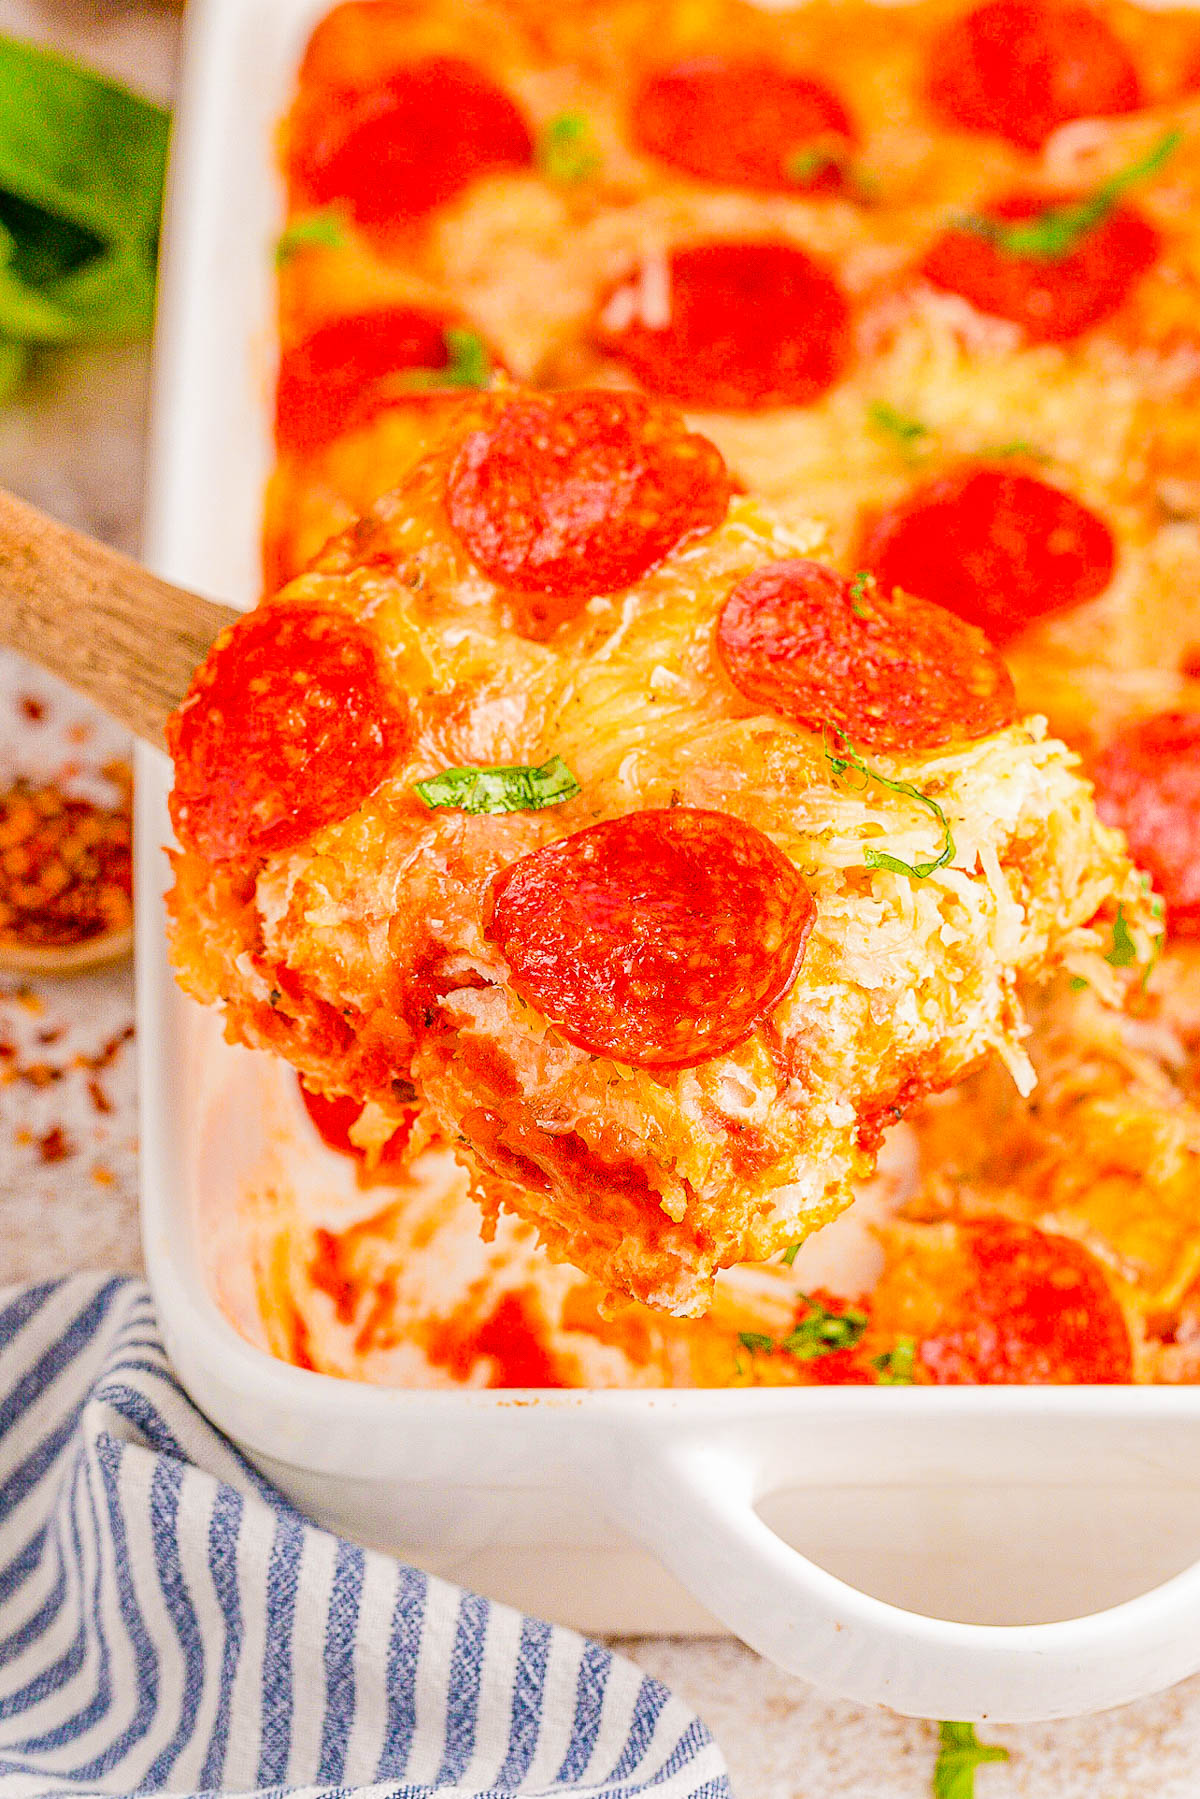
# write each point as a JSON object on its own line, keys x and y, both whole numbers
{"x": 117, "y": 634}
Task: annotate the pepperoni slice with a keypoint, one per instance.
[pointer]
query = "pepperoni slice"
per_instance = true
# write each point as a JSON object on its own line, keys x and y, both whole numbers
{"x": 744, "y": 325}
{"x": 890, "y": 673}
{"x": 1051, "y": 298}
{"x": 290, "y": 722}
{"x": 1034, "y": 1309}
{"x": 325, "y": 381}
{"x": 577, "y": 494}
{"x": 1000, "y": 548}
{"x": 744, "y": 124}
{"x": 398, "y": 149}
{"x": 1148, "y": 782}
{"x": 1021, "y": 68}
{"x": 660, "y": 938}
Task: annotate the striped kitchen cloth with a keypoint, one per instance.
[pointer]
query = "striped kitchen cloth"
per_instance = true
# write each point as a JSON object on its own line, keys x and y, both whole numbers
{"x": 169, "y": 1623}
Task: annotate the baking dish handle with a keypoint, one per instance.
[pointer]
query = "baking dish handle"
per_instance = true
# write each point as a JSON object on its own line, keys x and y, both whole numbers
{"x": 693, "y": 1505}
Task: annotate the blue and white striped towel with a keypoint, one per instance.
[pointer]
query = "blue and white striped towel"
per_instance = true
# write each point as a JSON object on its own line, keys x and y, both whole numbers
{"x": 168, "y": 1623}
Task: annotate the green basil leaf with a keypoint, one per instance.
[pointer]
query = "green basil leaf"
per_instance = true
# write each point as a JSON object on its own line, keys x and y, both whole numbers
{"x": 919, "y": 871}
{"x": 517, "y": 789}
{"x": 1056, "y": 231}
{"x": 822, "y": 1332}
{"x": 565, "y": 150}
{"x": 324, "y": 230}
{"x": 908, "y": 431}
{"x": 1123, "y": 953}
{"x": 81, "y": 175}
{"x": 959, "y": 1754}
{"x": 469, "y": 364}
{"x": 894, "y": 1367}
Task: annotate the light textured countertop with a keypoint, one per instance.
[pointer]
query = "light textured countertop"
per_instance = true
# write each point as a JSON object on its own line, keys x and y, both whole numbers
{"x": 74, "y": 444}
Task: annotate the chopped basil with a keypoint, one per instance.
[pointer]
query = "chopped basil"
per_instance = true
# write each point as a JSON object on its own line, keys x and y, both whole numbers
{"x": 858, "y": 591}
{"x": 516, "y": 789}
{"x": 1017, "y": 447}
{"x": 959, "y": 1754}
{"x": 1123, "y": 953}
{"x": 908, "y": 431}
{"x": 790, "y": 1254}
{"x": 469, "y": 364}
{"x": 894, "y": 1367}
{"x": 820, "y": 1332}
{"x": 1056, "y": 231}
{"x": 879, "y": 858}
{"x": 813, "y": 160}
{"x": 323, "y": 230}
{"x": 565, "y": 150}
{"x": 1077, "y": 983}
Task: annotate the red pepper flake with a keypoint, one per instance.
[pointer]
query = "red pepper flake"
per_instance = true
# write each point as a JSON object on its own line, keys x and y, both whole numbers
{"x": 51, "y": 1035}
{"x": 107, "y": 1054}
{"x": 55, "y": 1145}
{"x": 99, "y": 1097}
{"x": 33, "y": 709}
{"x": 65, "y": 866}
{"x": 40, "y": 1074}
{"x": 103, "y": 1177}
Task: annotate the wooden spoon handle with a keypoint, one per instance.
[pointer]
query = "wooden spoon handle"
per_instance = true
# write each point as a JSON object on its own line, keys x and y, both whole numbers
{"x": 108, "y": 626}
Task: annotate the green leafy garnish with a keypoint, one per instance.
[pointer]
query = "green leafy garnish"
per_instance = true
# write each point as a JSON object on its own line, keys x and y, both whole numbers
{"x": 1017, "y": 446}
{"x": 813, "y": 160}
{"x": 1077, "y": 983}
{"x": 790, "y": 1253}
{"x": 820, "y": 1332}
{"x": 565, "y": 150}
{"x": 959, "y": 1754}
{"x": 880, "y": 858}
{"x": 469, "y": 364}
{"x": 1055, "y": 232}
{"x": 323, "y": 230}
{"x": 516, "y": 789}
{"x": 909, "y": 432}
{"x": 863, "y": 580}
{"x": 895, "y": 1366}
{"x": 81, "y": 177}
{"x": 1123, "y": 953}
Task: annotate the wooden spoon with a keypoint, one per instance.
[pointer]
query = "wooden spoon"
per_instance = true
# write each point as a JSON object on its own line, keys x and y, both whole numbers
{"x": 113, "y": 631}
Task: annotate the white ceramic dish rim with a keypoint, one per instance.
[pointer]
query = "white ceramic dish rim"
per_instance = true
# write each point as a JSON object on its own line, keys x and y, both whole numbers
{"x": 679, "y": 1471}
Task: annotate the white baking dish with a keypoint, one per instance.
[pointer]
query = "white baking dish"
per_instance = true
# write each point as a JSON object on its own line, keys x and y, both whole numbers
{"x": 1014, "y": 1553}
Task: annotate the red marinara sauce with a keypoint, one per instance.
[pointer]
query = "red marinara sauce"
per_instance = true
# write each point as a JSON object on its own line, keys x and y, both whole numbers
{"x": 887, "y": 671}
{"x": 660, "y": 938}
{"x": 744, "y": 123}
{"x": 1147, "y": 782}
{"x": 1021, "y": 68}
{"x": 334, "y": 1118}
{"x": 392, "y": 151}
{"x": 999, "y": 547}
{"x": 1033, "y": 1309}
{"x": 291, "y": 721}
{"x": 747, "y": 325}
{"x": 1052, "y": 298}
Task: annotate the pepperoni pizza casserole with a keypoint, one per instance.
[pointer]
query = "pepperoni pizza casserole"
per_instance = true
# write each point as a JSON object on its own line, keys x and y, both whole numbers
{"x": 655, "y": 846}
